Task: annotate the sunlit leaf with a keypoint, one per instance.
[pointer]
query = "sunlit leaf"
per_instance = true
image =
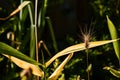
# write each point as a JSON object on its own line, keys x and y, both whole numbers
{"x": 78, "y": 47}
{"x": 25, "y": 65}
{"x": 21, "y": 6}
{"x": 6, "y": 49}
{"x": 114, "y": 72}
{"x": 113, "y": 34}
{"x": 57, "y": 72}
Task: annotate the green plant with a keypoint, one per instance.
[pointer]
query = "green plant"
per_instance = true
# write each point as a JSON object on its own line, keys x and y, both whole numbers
{"x": 19, "y": 54}
{"x": 113, "y": 33}
{"x": 102, "y": 8}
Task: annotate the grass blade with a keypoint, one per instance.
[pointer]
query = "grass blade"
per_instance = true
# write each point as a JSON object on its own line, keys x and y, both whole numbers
{"x": 52, "y": 34}
{"x": 6, "y": 49}
{"x": 113, "y": 34}
{"x": 78, "y": 47}
{"x": 25, "y": 65}
{"x": 113, "y": 71}
{"x": 57, "y": 72}
{"x": 32, "y": 42}
{"x": 41, "y": 17}
{"x": 21, "y": 6}
{"x": 32, "y": 33}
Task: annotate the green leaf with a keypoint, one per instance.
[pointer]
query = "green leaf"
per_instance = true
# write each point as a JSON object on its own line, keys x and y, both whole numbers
{"x": 32, "y": 42}
{"x": 52, "y": 34}
{"x": 113, "y": 34}
{"x": 41, "y": 18}
{"x": 6, "y": 49}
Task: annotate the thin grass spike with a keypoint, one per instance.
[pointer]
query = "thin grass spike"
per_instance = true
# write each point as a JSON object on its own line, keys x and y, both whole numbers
{"x": 86, "y": 35}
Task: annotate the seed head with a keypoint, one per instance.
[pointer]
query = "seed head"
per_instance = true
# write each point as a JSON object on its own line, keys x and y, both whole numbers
{"x": 86, "y": 35}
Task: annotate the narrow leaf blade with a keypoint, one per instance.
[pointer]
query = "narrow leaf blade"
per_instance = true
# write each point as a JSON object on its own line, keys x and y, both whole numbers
{"x": 21, "y": 6}
{"x": 57, "y": 72}
{"x": 113, "y": 34}
{"x": 25, "y": 65}
{"x": 113, "y": 71}
{"x": 6, "y": 49}
{"x": 78, "y": 47}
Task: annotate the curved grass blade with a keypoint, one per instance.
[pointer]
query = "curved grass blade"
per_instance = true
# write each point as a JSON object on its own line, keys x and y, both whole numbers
{"x": 6, "y": 49}
{"x": 21, "y": 6}
{"x": 113, "y": 34}
{"x": 25, "y": 65}
{"x": 113, "y": 71}
{"x": 78, "y": 47}
{"x": 57, "y": 72}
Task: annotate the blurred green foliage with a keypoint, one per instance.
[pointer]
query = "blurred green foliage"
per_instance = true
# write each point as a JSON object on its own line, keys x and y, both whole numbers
{"x": 20, "y": 25}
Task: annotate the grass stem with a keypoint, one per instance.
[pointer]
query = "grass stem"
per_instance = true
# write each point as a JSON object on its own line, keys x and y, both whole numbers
{"x": 36, "y": 38}
{"x": 87, "y": 62}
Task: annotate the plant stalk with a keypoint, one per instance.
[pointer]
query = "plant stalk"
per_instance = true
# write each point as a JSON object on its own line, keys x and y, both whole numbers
{"x": 87, "y": 62}
{"x": 36, "y": 38}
